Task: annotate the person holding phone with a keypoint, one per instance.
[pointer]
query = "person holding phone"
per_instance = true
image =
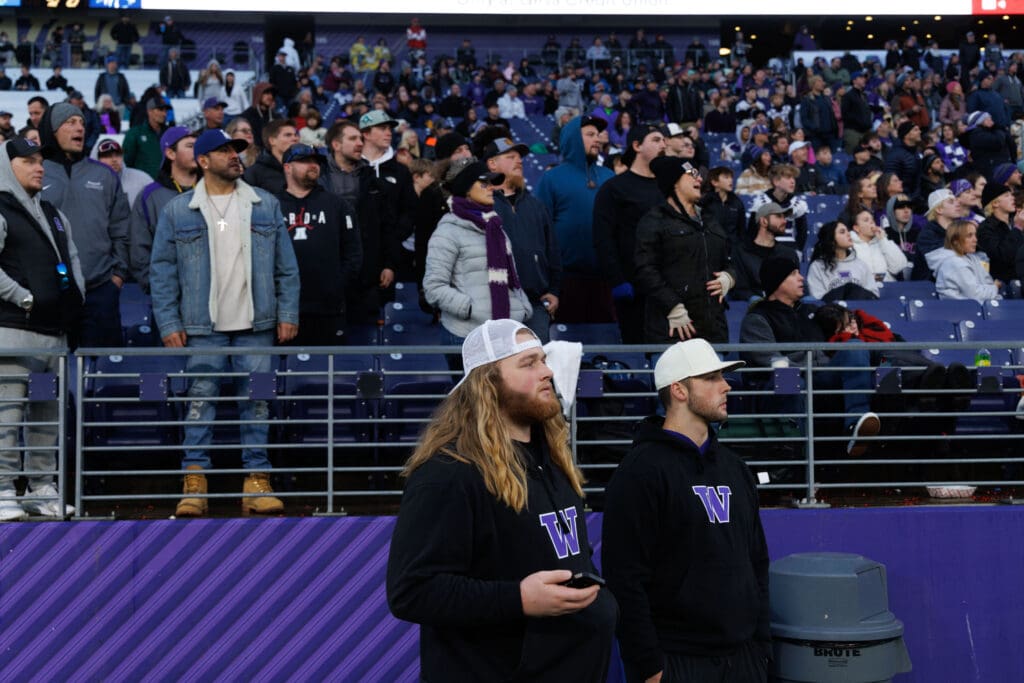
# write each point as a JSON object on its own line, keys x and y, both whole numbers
{"x": 683, "y": 548}
{"x": 491, "y": 536}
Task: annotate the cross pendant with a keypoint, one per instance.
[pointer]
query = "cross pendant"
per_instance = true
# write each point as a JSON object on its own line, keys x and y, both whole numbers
{"x": 222, "y": 224}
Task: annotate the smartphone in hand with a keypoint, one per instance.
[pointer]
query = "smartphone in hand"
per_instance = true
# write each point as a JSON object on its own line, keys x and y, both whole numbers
{"x": 584, "y": 580}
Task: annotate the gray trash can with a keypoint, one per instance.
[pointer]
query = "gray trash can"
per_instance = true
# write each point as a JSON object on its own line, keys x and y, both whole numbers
{"x": 831, "y": 621}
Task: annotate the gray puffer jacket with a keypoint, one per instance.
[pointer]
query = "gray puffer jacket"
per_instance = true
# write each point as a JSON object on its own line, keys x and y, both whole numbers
{"x": 456, "y": 277}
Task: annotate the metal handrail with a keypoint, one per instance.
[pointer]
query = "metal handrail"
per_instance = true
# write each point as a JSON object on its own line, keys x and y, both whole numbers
{"x": 389, "y": 433}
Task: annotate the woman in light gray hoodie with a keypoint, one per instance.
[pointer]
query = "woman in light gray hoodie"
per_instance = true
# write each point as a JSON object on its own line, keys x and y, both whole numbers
{"x": 962, "y": 271}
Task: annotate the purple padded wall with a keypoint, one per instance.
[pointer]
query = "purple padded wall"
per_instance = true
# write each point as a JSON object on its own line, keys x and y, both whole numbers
{"x": 303, "y": 598}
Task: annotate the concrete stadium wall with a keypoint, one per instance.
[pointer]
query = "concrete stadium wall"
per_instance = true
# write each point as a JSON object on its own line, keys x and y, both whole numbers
{"x": 303, "y": 598}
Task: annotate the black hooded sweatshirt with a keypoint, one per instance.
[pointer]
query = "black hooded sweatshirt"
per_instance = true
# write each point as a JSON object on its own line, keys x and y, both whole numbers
{"x": 683, "y": 551}
{"x": 457, "y": 557}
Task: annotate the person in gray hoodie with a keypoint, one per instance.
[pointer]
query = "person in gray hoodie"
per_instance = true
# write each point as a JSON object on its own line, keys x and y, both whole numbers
{"x": 470, "y": 270}
{"x": 41, "y": 286}
{"x": 91, "y": 192}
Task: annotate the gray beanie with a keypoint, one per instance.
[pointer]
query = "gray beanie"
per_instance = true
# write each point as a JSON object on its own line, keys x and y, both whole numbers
{"x": 61, "y": 112}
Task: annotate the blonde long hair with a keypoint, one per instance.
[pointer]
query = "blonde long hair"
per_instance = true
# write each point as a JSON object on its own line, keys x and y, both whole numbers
{"x": 471, "y": 419}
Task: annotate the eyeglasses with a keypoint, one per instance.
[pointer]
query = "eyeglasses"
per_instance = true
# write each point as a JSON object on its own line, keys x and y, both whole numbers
{"x": 63, "y": 280}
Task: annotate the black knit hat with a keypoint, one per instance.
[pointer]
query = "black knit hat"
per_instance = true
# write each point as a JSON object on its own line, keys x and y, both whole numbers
{"x": 447, "y": 144}
{"x": 668, "y": 170}
{"x": 992, "y": 192}
{"x": 774, "y": 271}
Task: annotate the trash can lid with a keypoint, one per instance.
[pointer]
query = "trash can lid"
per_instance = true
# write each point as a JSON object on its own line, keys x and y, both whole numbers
{"x": 830, "y": 597}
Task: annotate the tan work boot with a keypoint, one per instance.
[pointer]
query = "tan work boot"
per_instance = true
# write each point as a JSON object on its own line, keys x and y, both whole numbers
{"x": 259, "y": 482}
{"x": 194, "y": 484}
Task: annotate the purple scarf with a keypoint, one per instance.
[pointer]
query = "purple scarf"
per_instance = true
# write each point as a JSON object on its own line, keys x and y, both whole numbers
{"x": 501, "y": 268}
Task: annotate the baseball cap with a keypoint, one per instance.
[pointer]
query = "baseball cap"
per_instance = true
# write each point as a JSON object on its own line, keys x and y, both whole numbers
{"x": 464, "y": 172}
{"x": 301, "y": 151}
{"x": 493, "y": 341}
{"x": 759, "y": 129}
{"x": 5, "y": 113}
{"x": 22, "y": 147}
{"x": 691, "y": 358}
{"x": 937, "y": 197}
{"x": 156, "y": 103}
{"x": 211, "y": 102}
{"x": 771, "y": 209}
{"x": 108, "y": 146}
{"x": 595, "y": 121}
{"x": 502, "y": 145}
{"x": 799, "y": 144}
{"x": 215, "y": 139}
{"x": 377, "y": 117}
{"x": 172, "y": 135}
{"x": 671, "y": 130}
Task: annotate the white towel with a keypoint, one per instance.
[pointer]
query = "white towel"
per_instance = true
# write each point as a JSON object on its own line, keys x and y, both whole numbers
{"x": 564, "y": 358}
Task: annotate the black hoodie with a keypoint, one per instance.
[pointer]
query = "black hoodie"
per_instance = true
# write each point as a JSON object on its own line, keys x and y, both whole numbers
{"x": 683, "y": 551}
{"x": 457, "y": 557}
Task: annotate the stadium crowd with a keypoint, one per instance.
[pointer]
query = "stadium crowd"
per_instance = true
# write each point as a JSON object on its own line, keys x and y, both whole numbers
{"x": 383, "y": 171}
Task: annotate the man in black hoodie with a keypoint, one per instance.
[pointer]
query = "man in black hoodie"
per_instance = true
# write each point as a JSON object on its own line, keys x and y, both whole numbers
{"x": 492, "y": 527}
{"x": 268, "y": 173}
{"x": 325, "y": 237}
{"x": 683, "y": 547}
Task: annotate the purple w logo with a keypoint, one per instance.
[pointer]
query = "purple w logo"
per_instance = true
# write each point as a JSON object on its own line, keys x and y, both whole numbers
{"x": 567, "y": 543}
{"x": 716, "y": 502}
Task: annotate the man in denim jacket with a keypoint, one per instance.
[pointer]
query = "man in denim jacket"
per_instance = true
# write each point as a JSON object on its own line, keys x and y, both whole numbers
{"x": 224, "y": 274}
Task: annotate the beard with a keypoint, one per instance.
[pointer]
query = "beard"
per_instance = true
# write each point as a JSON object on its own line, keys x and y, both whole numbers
{"x": 707, "y": 409}
{"x": 515, "y": 182}
{"x": 526, "y": 408}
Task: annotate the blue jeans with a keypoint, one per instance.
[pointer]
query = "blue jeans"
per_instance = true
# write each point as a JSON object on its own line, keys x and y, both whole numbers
{"x": 454, "y": 360}
{"x": 540, "y": 322}
{"x": 851, "y": 382}
{"x": 124, "y": 56}
{"x": 253, "y": 436}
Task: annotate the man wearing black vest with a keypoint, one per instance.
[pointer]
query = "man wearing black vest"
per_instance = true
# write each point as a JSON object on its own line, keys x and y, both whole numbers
{"x": 41, "y": 285}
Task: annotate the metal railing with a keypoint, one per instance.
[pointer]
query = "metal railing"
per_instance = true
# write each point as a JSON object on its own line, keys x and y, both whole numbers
{"x": 343, "y": 420}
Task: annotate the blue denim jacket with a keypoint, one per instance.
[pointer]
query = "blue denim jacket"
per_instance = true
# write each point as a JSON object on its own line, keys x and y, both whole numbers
{"x": 180, "y": 268}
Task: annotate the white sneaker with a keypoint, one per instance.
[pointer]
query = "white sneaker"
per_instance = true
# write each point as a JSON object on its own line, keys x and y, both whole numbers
{"x": 869, "y": 424}
{"x": 10, "y": 511}
{"x": 47, "y": 508}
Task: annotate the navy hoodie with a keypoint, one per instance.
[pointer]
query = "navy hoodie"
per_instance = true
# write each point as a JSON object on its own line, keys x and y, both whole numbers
{"x": 457, "y": 557}
{"x": 568, "y": 191}
{"x": 683, "y": 551}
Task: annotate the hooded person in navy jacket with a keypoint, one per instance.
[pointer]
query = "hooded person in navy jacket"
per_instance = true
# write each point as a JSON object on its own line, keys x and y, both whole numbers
{"x": 492, "y": 524}
{"x": 683, "y": 548}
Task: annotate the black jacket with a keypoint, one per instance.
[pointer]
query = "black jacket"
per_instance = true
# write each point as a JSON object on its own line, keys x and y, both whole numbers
{"x": 989, "y": 147}
{"x": 28, "y": 258}
{"x": 619, "y": 205}
{"x": 747, "y": 258}
{"x": 324, "y": 234}
{"x": 676, "y": 256}
{"x": 905, "y": 162}
{"x": 1001, "y": 243}
{"x": 267, "y": 173}
{"x": 730, "y": 214}
{"x": 457, "y": 557}
{"x": 684, "y": 103}
{"x": 534, "y": 246}
{"x": 683, "y": 551}
{"x": 856, "y": 111}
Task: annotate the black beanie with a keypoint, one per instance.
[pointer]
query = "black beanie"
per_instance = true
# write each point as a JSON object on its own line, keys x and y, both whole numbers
{"x": 773, "y": 271}
{"x": 667, "y": 172}
{"x": 447, "y": 144}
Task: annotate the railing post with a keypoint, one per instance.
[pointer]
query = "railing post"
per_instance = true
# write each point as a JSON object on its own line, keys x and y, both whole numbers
{"x": 809, "y": 383}
{"x": 62, "y": 447}
{"x": 330, "y": 433}
{"x": 79, "y": 433}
